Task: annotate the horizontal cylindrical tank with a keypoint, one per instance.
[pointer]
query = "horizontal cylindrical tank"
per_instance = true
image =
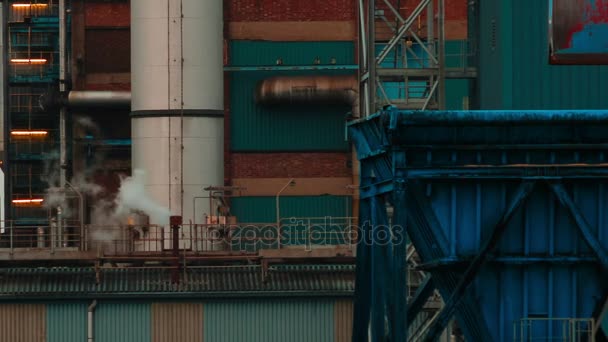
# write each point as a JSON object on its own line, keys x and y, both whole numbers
{"x": 297, "y": 90}
{"x": 104, "y": 99}
{"x": 177, "y": 99}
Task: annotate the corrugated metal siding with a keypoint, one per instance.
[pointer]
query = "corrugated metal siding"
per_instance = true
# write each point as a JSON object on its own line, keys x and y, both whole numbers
{"x": 514, "y": 63}
{"x": 204, "y": 281}
{"x": 261, "y": 209}
{"x": 177, "y": 322}
{"x": 269, "y": 321}
{"x": 122, "y": 322}
{"x": 260, "y": 129}
{"x": 343, "y": 320}
{"x": 23, "y": 322}
{"x": 66, "y": 322}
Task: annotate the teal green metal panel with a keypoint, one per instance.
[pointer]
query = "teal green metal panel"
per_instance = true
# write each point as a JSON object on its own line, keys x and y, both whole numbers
{"x": 264, "y": 53}
{"x": 456, "y": 93}
{"x": 269, "y": 321}
{"x": 263, "y": 209}
{"x": 66, "y": 322}
{"x": 514, "y": 65}
{"x": 285, "y": 128}
{"x": 122, "y": 322}
{"x": 457, "y": 90}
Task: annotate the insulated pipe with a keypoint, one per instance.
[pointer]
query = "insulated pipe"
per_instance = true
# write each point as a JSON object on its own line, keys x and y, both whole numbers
{"x": 99, "y": 99}
{"x": 85, "y": 99}
{"x": 90, "y": 320}
{"x": 297, "y": 90}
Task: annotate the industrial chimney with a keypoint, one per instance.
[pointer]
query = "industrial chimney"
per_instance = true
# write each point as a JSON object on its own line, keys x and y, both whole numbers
{"x": 177, "y": 100}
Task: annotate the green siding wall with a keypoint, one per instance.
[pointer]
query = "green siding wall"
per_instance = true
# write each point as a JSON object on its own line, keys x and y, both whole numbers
{"x": 269, "y": 321}
{"x": 122, "y": 322}
{"x": 514, "y": 70}
{"x": 284, "y": 128}
{"x": 66, "y": 322}
{"x": 456, "y": 90}
{"x": 263, "y": 209}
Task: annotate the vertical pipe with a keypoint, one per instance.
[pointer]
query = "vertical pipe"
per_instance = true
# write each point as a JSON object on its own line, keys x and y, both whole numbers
{"x": 371, "y": 54}
{"x": 175, "y": 222}
{"x": 5, "y": 193}
{"x": 62, "y": 89}
{"x": 40, "y": 237}
{"x": 441, "y": 59}
{"x": 60, "y": 227}
{"x": 177, "y": 84}
{"x": 90, "y": 321}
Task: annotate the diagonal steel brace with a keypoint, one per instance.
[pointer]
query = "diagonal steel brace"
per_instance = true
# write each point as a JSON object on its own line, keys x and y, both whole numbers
{"x": 521, "y": 195}
{"x": 582, "y": 224}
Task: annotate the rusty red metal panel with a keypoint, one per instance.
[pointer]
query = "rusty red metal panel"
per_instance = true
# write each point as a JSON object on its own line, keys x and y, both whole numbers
{"x": 289, "y": 10}
{"x": 578, "y": 31}
{"x": 109, "y": 51}
{"x": 107, "y": 14}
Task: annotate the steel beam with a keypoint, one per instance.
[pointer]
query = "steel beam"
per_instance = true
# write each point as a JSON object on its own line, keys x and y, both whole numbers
{"x": 363, "y": 281}
{"x": 423, "y": 293}
{"x": 519, "y": 198}
{"x": 381, "y": 269}
{"x": 512, "y": 172}
{"x": 427, "y": 236}
{"x": 501, "y": 117}
{"x": 391, "y": 74}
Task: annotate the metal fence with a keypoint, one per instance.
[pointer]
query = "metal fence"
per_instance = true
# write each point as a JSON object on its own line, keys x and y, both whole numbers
{"x": 308, "y": 233}
{"x": 554, "y": 329}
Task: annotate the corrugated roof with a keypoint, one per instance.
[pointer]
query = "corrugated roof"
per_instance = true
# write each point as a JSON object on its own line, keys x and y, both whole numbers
{"x": 225, "y": 281}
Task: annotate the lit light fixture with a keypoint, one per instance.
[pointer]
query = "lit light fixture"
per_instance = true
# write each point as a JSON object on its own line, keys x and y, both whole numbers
{"x": 28, "y": 201}
{"x": 29, "y": 5}
{"x": 29, "y": 133}
{"x": 28, "y": 60}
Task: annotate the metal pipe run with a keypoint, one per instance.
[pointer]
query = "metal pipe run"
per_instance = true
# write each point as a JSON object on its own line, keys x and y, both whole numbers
{"x": 85, "y": 99}
{"x": 309, "y": 89}
{"x": 90, "y": 320}
{"x": 98, "y": 99}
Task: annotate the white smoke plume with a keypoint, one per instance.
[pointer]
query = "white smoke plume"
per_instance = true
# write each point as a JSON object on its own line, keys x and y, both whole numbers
{"x": 132, "y": 197}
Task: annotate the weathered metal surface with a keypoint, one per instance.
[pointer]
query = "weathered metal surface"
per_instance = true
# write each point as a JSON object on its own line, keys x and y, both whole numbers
{"x": 578, "y": 31}
{"x": 23, "y": 322}
{"x": 514, "y": 68}
{"x": 343, "y": 320}
{"x": 202, "y": 282}
{"x": 177, "y": 322}
{"x": 506, "y": 211}
{"x": 269, "y": 320}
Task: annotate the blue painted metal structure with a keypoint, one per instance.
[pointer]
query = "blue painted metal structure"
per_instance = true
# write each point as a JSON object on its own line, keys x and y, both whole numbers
{"x": 508, "y": 211}
{"x": 578, "y": 31}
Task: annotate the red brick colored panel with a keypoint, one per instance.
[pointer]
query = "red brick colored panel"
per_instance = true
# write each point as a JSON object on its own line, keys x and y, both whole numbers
{"x": 282, "y": 165}
{"x": 108, "y": 50}
{"x": 107, "y": 14}
{"x": 289, "y": 10}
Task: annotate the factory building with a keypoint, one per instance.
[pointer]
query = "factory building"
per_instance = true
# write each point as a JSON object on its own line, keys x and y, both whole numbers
{"x": 271, "y": 170}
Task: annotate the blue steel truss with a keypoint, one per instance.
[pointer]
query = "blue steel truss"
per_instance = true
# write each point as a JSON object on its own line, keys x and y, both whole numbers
{"x": 508, "y": 211}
